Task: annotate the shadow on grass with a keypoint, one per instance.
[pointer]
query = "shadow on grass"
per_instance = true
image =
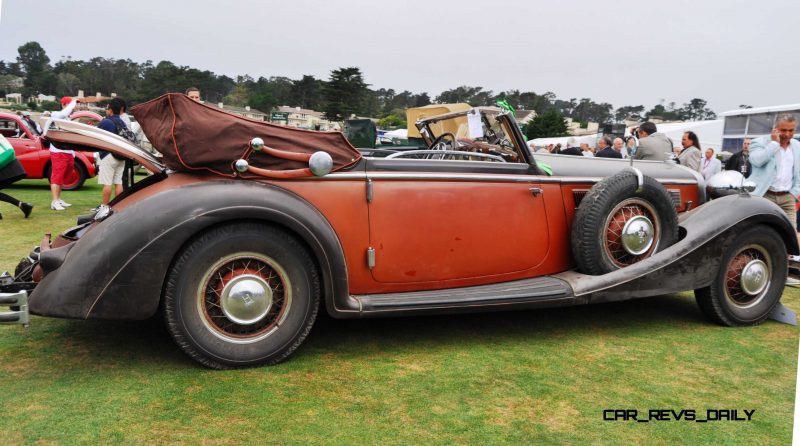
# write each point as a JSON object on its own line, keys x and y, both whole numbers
{"x": 117, "y": 342}
{"x": 148, "y": 341}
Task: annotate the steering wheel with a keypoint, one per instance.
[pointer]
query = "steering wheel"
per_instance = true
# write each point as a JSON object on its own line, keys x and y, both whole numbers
{"x": 440, "y": 144}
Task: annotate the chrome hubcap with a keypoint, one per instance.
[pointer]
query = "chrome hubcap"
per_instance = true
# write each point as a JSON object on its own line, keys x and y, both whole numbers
{"x": 246, "y": 299}
{"x": 637, "y": 235}
{"x": 754, "y": 277}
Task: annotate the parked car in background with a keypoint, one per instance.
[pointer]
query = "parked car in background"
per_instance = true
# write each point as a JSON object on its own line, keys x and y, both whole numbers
{"x": 35, "y": 157}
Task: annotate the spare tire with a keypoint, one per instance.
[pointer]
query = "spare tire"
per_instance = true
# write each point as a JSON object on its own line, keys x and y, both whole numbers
{"x": 619, "y": 223}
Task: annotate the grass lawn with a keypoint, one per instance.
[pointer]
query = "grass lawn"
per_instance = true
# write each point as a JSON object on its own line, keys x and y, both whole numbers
{"x": 533, "y": 377}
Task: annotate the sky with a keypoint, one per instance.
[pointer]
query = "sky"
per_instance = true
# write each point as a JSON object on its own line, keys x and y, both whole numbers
{"x": 728, "y": 52}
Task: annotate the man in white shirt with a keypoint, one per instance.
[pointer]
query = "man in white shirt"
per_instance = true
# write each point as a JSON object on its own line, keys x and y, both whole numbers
{"x": 62, "y": 162}
{"x": 775, "y": 162}
{"x": 710, "y": 165}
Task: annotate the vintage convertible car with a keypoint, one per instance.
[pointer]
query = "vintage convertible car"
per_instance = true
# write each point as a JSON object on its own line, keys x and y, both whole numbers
{"x": 246, "y": 233}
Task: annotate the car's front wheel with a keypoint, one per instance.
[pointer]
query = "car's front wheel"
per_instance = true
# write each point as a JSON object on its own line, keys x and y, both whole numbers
{"x": 241, "y": 295}
{"x": 750, "y": 280}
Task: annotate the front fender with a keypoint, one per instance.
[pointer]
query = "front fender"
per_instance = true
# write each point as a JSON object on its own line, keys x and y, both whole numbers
{"x": 117, "y": 269}
{"x": 693, "y": 262}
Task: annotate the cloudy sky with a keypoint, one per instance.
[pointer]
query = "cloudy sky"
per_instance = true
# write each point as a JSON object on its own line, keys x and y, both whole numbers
{"x": 728, "y": 52}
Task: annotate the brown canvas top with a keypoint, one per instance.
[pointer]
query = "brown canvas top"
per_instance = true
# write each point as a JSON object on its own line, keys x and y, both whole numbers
{"x": 193, "y": 136}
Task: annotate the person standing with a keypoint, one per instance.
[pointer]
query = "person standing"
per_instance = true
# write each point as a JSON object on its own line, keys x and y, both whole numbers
{"x": 710, "y": 165}
{"x": 619, "y": 146}
{"x": 193, "y": 93}
{"x": 740, "y": 162}
{"x": 652, "y": 144}
{"x": 605, "y": 150}
{"x": 630, "y": 145}
{"x": 62, "y": 162}
{"x": 26, "y": 116}
{"x": 111, "y": 168}
{"x": 775, "y": 162}
{"x": 571, "y": 149}
{"x": 11, "y": 171}
{"x": 690, "y": 155}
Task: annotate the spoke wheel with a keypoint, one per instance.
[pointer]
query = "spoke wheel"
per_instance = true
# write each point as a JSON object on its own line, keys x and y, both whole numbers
{"x": 244, "y": 297}
{"x": 747, "y": 276}
{"x": 749, "y": 280}
{"x": 632, "y": 232}
{"x": 620, "y": 222}
{"x": 241, "y": 295}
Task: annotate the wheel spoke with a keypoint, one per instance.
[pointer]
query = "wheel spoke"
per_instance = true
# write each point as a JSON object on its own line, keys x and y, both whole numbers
{"x": 229, "y": 271}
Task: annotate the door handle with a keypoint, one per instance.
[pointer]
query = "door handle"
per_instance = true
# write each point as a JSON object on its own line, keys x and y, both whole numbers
{"x": 536, "y": 191}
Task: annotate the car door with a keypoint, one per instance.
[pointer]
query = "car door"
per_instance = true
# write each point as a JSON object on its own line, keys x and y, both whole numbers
{"x": 476, "y": 220}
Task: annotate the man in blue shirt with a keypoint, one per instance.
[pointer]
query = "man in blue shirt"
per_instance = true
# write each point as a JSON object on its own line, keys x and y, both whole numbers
{"x": 111, "y": 168}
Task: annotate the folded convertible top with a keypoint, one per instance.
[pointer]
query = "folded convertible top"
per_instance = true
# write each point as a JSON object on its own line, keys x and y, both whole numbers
{"x": 195, "y": 137}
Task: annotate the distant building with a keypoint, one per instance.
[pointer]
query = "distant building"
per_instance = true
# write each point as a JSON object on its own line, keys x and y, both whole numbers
{"x": 246, "y": 111}
{"x": 574, "y": 128}
{"x": 44, "y": 98}
{"x": 307, "y": 119}
{"x": 525, "y": 116}
{"x": 14, "y": 98}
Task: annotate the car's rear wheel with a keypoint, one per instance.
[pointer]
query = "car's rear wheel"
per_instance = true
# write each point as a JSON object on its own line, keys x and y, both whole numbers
{"x": 619, "y": 223}
{"x": 750, "y": 279}
{"x": 75, "y": 180}
{"x": 241, "y": 295}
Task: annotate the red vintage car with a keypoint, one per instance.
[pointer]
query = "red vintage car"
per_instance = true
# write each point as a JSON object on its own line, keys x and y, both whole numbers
{"x": 35, "y": 158}
{"x": 245, "y": 234}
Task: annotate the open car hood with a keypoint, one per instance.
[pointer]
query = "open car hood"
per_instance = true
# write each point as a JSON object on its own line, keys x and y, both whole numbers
{"x": 76, "y": 136}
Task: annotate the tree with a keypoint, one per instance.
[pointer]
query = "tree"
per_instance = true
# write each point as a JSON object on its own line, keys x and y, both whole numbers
{"x": 32, "y": 58}
{"x": 549, "y": 123}
{"x": 239, "y": 97}
{"x": 667, "y": 113}
{"x": 629, "y": 111}
{"x": 344, "y": 93}
{"x": 696, "y": 110}
{"x": 527, "y": 100}
{"x": 35, "y": 64}
{"x": 50, "y": 105}
{"x": 307, "y": 92}
{"x": 392, "y": 121}
{"x": 419, "y": 100}
{"x": 474, "y": 96}
{"x": 67, "y": 84}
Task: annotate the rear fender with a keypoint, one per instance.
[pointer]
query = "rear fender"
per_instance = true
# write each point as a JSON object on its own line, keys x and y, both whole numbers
{"x": 117, "y": 269}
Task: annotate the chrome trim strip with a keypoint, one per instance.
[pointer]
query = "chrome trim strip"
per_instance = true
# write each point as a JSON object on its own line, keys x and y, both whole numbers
{"x": 506, "y": 178}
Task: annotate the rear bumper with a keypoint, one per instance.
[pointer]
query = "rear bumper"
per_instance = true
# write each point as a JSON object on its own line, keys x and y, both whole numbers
{"x": 17, "y": 304}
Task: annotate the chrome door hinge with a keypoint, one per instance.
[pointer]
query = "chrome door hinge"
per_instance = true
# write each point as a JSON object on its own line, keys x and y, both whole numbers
{"x": 369, "y": 190}
{"x": 371, "y": 257}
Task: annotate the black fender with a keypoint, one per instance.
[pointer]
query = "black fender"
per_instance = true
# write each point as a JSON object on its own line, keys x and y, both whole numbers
{"x": 693, "y": 262}
{"x": 117, "y": 269}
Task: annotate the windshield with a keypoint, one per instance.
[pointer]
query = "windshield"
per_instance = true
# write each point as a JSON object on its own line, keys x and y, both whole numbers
{"x": 477, "y": 130}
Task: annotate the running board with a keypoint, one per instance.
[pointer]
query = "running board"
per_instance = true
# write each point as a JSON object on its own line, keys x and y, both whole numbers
{"x": 527, "y": 293}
